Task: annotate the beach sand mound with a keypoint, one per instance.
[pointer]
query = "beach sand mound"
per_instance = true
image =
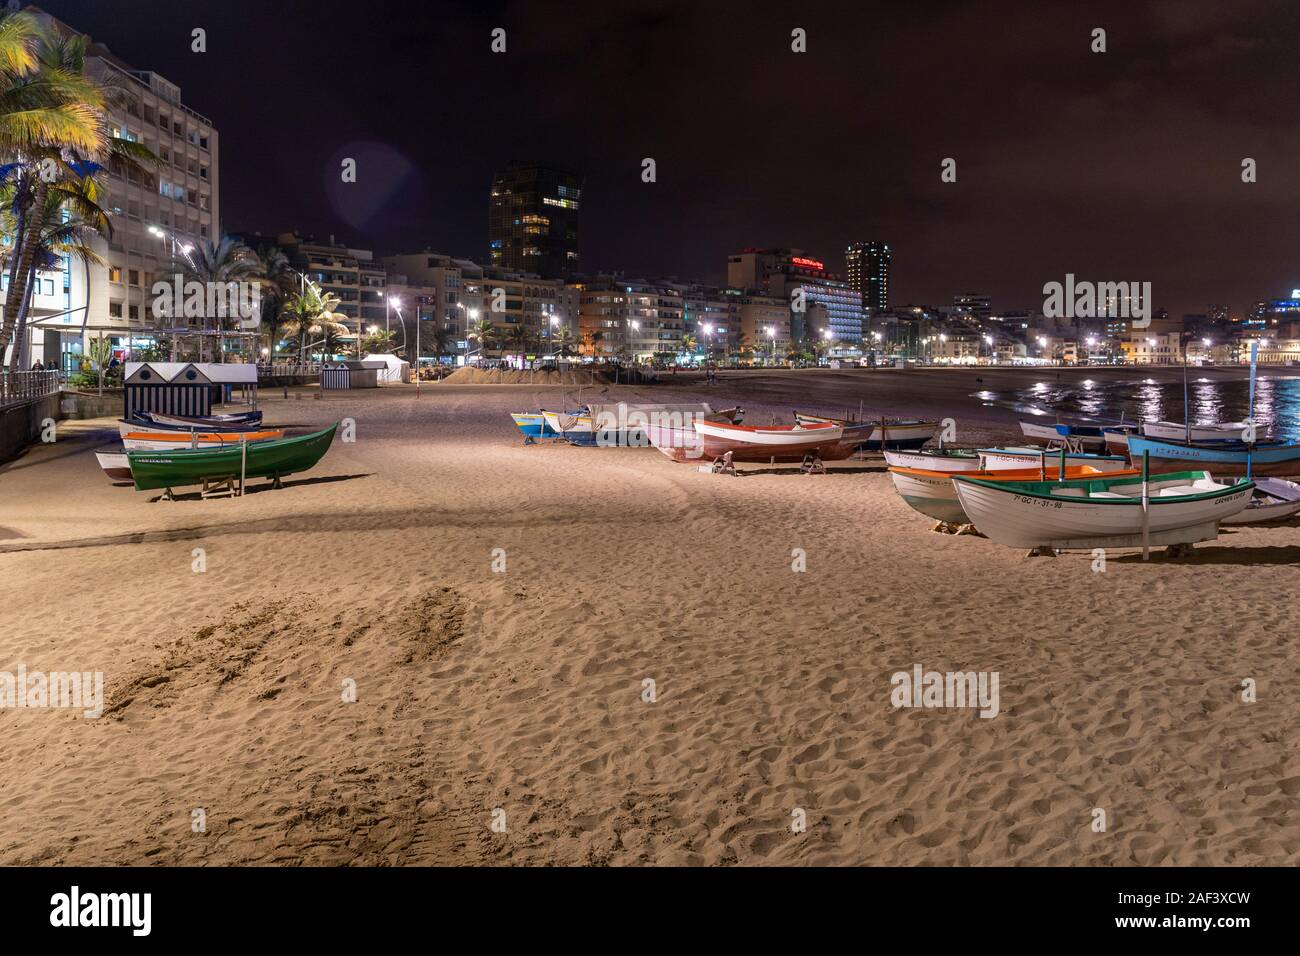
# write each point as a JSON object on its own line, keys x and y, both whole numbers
{"x": 496, "y": 376}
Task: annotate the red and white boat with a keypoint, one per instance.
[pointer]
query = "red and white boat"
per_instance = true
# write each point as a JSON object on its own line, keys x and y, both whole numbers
{"x": 775, "y": 443}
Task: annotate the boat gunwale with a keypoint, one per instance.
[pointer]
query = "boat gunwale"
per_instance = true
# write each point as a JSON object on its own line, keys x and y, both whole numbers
{"x": 1008, "y": 488}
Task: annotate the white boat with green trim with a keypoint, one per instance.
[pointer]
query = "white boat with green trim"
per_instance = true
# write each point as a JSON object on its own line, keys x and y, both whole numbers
{"x": 1184, "y": 507}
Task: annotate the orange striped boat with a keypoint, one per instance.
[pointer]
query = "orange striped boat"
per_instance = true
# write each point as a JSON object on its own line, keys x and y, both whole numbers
{"x": 174, "y": 441}
{"x": 933, "y": 494}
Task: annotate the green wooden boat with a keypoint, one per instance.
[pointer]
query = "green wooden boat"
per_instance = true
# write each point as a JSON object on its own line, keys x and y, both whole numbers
{"x": 272, "y": 459}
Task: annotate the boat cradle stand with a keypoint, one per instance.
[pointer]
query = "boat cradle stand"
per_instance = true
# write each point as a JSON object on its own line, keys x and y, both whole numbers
{"x": 220, "y": 488}
{"x": 724, "y": 465}
{"x": 812, "y": 464}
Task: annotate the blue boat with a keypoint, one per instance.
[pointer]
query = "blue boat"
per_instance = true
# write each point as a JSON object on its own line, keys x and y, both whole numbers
{"x": 533, "y": 426}
{"x": 1272, "y": 459}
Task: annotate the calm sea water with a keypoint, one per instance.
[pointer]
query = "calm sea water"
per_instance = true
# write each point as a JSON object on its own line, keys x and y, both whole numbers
{"x": 1277, "y": 401}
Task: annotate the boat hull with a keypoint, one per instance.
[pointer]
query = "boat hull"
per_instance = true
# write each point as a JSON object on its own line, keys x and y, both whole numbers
{"x": 1278, "y": 461}
{"x": 775, "y": 444}
{"x": 1041, "y": 514}
{"x": 1173, "y": 431}
{"x": 1000, "y": 459}
{"x": 533, "y": 426}
{"x": 934, "y": 493}
{"x": 1087, "y": 437}
{"x": 676, "y": 443}
{"x": 873, "y": 436}
{"x": 951, "y": 460}
{"x": 170, "y": 469}
{"x": 114, "y": 464}
{"x": 162, "y": 441}
{"x": 1274, "y": 500}
{"x": 223, "y": 423}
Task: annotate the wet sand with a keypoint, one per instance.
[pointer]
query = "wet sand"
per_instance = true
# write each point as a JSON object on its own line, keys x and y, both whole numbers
{"x": 524, "y": 690}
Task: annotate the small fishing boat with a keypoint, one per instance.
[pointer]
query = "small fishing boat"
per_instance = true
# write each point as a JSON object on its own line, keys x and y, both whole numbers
{"x": 1079, "y": 437}
{"x": 532, "y": 425}
{"x": 271, "y": 459}
{"x": 1174, "y": 431}
{"x": 679, "y": 441}
{"x": 1274, "y": 499}
{"x": 934, "y": 494}
{"x": 126, "y": 426}
{"x": 873, "y": 435}
{"x": 161, "y": 441}
{"x": 114, "y": 464}
{"x": 999, "y": 459}
{"x": 621, "y": 425}
{"x": 211, "y": 423}
{"x": 1183, "y": 508}
{"x": 775, "y": 443}
{"x": 1276, "y": 459}
{"x": 936, "y": 459}
{"x": 1117, "y": 440}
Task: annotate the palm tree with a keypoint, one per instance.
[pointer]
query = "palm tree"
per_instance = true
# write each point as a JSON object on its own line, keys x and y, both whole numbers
{"x": 563, "y": 341}
{"x": 437, "y": 334}
{"x": 217, "y": 263}
{"x": 72, "y": 218}
{"x": 483, "y": 332}
{"x": 277, "y": 285}
{"x": 311, "y": 312}
{"x": 378, "y": 342}
{"x": 688, "y": 344}
{"x": 516, "y": 341}
{"x": 54, "y": 122}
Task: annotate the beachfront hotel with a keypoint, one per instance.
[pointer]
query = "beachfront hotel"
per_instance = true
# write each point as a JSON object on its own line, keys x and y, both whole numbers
{"x": 152, "y": 223}
{"x": 833, "y": 308}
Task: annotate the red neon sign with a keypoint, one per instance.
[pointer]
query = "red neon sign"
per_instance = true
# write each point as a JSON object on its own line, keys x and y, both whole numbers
{"x": 808, "y": 263}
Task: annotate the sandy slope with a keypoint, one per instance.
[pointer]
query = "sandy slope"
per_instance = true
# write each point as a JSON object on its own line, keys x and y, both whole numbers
{"x": 523, "y": 690}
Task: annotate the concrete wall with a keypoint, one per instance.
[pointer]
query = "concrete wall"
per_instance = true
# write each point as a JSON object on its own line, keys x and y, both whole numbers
{"x": 20, "y": 425}
{"x": 90, "y": 405}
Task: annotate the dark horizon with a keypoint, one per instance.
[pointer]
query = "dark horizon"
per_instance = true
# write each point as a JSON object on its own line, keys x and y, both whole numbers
{"x": 1120, "y": 166}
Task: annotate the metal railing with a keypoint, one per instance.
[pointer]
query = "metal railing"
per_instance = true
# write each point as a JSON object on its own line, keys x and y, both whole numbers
{"x": 18, "y": 387}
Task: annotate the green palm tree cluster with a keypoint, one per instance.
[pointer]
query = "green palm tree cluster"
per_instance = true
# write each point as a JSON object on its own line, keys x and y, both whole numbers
{"x": 313, "y": 312}
{"x": 55, "y": 141}
{"x": 219, "y": 262}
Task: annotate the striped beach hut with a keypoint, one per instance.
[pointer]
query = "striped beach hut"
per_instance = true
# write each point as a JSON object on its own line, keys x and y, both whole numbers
{"x": 185, "y": 388}
{"x": 351, "y": 374}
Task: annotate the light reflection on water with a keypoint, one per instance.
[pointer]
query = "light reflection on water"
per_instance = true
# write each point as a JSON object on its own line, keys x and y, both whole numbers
{"x": 1277, "y": 401}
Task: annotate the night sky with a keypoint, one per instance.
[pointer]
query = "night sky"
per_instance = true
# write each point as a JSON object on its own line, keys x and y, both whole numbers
{"x": 1117, "y": 166}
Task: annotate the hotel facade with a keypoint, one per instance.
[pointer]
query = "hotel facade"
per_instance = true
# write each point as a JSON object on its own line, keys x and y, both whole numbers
{"x": 151, "y": 221}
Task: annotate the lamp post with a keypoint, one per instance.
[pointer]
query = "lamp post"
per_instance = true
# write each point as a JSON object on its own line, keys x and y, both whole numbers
{"x": 771, "y": 334}
{"x": 184, "y": 249}
{"x": 470, "y": 316}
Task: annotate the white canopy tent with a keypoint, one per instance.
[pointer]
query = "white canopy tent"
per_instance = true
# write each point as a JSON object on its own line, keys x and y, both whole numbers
{"x": 395, "y": 369}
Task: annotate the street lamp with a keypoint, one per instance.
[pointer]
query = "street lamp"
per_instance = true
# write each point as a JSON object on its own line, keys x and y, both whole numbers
{"x": 771, "y": 334}
{"x": 389, "y": 300}
{"x": 471, "y": 315}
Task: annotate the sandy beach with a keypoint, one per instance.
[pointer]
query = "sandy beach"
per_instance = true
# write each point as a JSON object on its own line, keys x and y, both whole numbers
{"x": 524, "y": 691}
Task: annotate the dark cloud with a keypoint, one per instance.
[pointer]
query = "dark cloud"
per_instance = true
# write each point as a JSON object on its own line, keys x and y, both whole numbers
{"x": 1124, "y": 165}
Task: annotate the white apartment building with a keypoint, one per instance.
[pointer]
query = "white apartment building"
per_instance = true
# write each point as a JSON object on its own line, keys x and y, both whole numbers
{"x": 150, "y": 220}
{"x": 462, "y": 292}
